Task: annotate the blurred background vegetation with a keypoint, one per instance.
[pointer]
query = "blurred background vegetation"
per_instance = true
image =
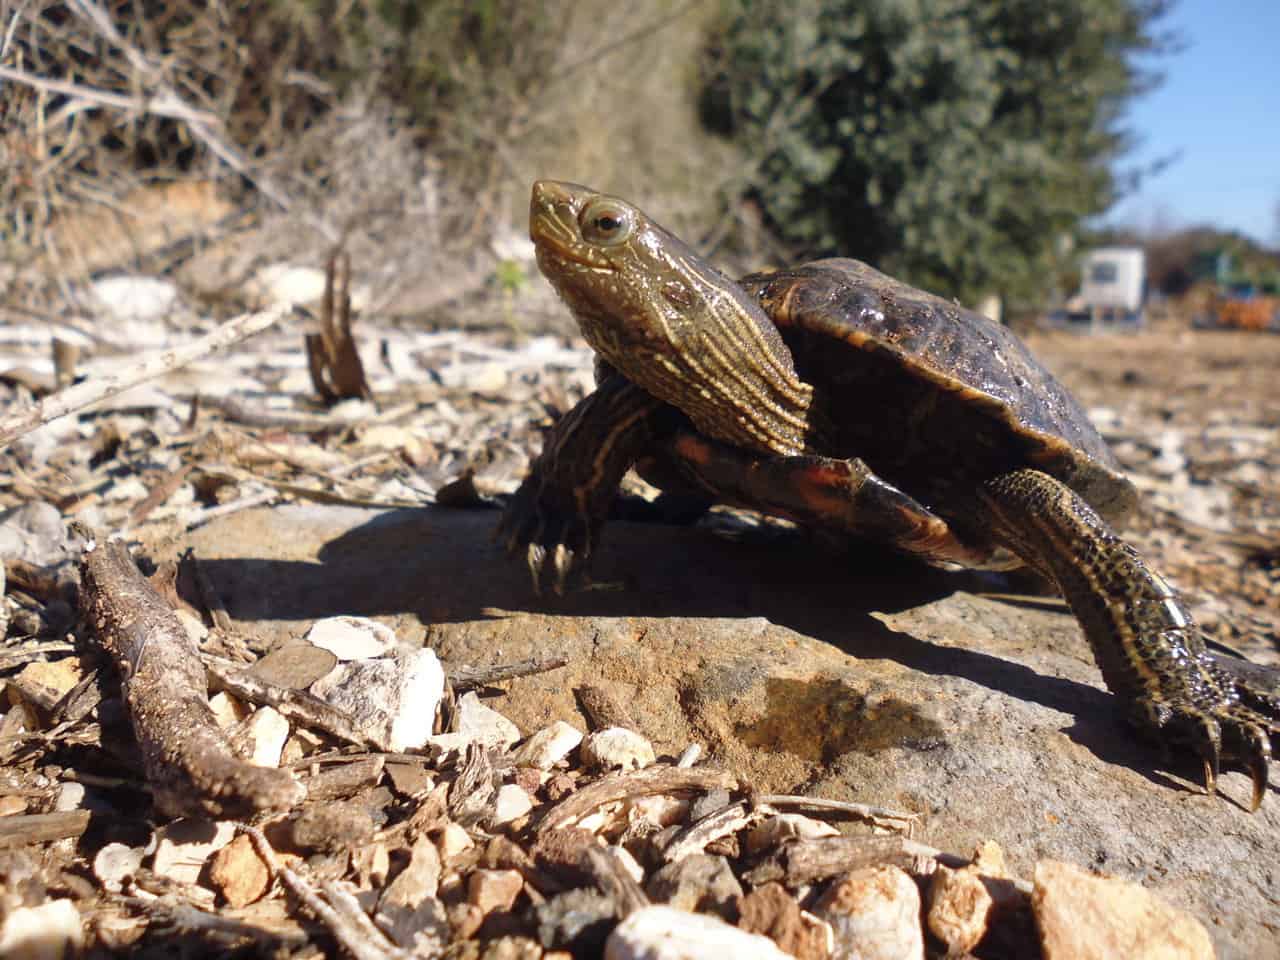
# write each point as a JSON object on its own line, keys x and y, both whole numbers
{"x": 967, "y": 146}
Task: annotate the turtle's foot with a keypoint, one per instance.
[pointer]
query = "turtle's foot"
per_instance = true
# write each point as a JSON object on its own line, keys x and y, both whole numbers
{"x": 1219, "y": 711}
{"x": 555, "y": 530}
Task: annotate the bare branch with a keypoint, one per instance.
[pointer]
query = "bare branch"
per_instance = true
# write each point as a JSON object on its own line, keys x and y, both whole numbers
{"x": 161, "y": 362}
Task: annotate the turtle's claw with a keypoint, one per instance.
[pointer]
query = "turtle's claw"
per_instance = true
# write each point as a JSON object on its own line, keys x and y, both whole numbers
{"x": 555, "y": 537}
{"x": 1238, "y": 723}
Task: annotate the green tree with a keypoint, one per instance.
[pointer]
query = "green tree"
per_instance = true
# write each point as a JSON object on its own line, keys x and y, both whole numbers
{"x": 951, "y": 142}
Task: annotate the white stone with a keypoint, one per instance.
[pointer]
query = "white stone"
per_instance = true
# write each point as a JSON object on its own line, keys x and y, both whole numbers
{"x": 477, "y": 723}
{"x": 664, "y": 933}
{"x": 185, "y": 845}
{"x": 71, "y": 796}
{"x": 352, "y": 638}
{"x": 227, "y": 710}
{"x": 115, "y": 863}
{"x": 128, "y": 298}
{"x": 617, "y": 748}
{"x": 284, "y": 284}
{"x": 875, "y": 915}
{"x": 392, "y": 700}
{"x": 49, "y": 931}
{"x": 548, "y": 746}
{"x": 512, "y": 803}
{"x": 269, "y": 730}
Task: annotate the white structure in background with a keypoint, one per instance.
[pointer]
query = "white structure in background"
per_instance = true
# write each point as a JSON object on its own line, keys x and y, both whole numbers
{"x": 1114, "y": 286}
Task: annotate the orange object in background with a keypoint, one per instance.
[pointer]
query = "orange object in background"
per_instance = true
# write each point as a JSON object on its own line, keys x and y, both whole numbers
{"x": 1247, "y": 313}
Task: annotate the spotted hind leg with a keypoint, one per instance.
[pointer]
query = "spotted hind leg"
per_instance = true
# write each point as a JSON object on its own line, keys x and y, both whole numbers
{"x": 1141, "y": 633}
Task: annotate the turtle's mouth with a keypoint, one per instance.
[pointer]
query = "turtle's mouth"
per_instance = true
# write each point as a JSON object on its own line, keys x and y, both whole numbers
{"x": 554, "y": 230}
{"x": 551, "y": 235}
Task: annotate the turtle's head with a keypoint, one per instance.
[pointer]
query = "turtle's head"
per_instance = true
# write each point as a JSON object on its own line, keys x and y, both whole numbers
{"x": 666, "y": 319}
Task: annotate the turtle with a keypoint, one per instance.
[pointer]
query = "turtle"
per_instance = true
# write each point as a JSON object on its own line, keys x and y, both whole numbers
{"x": 838, "y": 397}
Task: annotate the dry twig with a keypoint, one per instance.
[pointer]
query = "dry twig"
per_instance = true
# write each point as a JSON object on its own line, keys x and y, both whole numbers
{"x": 189, "y": 762}
{"x": 154, "y": 365}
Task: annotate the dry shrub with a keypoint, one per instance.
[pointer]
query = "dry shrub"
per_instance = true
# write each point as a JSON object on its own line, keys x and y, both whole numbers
{"x": 408, "y": 130}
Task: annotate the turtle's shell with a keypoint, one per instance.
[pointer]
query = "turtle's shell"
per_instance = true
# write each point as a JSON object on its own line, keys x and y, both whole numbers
{"x": 931, "y": 395}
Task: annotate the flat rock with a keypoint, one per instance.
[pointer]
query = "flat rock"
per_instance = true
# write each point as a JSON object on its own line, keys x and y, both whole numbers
{"x": 858, "y": 677}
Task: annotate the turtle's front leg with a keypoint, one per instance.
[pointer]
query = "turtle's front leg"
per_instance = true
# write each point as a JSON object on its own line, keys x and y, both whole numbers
{"x": 1143, "y": 638}
{"x": 557, "y": 512}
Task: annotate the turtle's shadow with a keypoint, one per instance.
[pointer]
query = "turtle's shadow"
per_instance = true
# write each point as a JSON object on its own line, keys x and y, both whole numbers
{"x": 443, "y": 567}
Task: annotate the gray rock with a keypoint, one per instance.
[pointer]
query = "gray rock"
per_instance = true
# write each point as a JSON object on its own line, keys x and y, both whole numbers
{"x": 577, "y": 920}
{"x": 699, "y": 882}
{"x": 860, "y": 678}
{"x": 34, "y": 532}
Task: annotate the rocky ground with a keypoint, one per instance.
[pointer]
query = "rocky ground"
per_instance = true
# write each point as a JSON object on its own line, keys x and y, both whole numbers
{"x": 971, "y": 762}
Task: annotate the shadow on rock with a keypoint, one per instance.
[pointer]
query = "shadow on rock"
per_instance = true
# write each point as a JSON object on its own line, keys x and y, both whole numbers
{"x": 442, "y": 567}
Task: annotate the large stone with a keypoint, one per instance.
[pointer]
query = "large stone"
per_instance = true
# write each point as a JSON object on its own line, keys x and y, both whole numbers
{"x": 665, "y": 933}
{"x": 862, "y": 678}
{"x": 875, "y": 915}
{"x": 1082, "y": 916}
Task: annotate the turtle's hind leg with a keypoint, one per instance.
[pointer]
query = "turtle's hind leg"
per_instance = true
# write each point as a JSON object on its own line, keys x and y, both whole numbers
{"x": 1142, "y": 635}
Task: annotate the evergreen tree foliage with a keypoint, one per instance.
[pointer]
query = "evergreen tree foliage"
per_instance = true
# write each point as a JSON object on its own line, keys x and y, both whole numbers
{"x": 950, "y": 142}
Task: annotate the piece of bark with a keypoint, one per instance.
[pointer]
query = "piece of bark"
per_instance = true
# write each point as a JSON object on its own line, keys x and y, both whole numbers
{"x": 809, "y": 861}
{"x": 469, "y": 678}
{"x": 638, "y": 783}
{"x": 191, "y": 766}
{"x": 18, "y": 831}
{"x": 714, "y": 826}
{"x": 332, "y": 357}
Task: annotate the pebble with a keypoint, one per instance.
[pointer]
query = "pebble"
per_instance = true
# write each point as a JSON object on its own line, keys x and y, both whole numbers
{"x": 512, "y": 803}
{"x": 492, "y": 890}
{"x": 874, "y": 914}
{"x": 185, "y": 845}
{"x": 578, "y": 920}
{"x": 268, "y": 729}
{"x": 115, "y": 863}
{"x": 453, "y": 840}
{"x": 959, "y": 906}
{"x": 34, "y": 532}
{"x": 238, "y": 874}
{"x": 700, "y": 882}
{"x": 352, "y": 638}
{"x": 391, "y": 699}
{"x": 616, "y": 748}
{"x": 476, "y": 723}
{"x": 665, "y": 933}
{"x": 1083, "y": 916}
{"x": 963, "y": 903}
{"x": 45, "y": 932}
{"x": 548, "y": 746}
{"x": 419, "y": 879}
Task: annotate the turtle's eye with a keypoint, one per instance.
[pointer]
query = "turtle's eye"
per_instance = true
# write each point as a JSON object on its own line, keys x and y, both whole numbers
{"x": 605, "y": 222}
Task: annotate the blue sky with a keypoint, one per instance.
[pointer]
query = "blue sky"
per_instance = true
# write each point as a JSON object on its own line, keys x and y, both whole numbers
{"x": 1219, "y": 110}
